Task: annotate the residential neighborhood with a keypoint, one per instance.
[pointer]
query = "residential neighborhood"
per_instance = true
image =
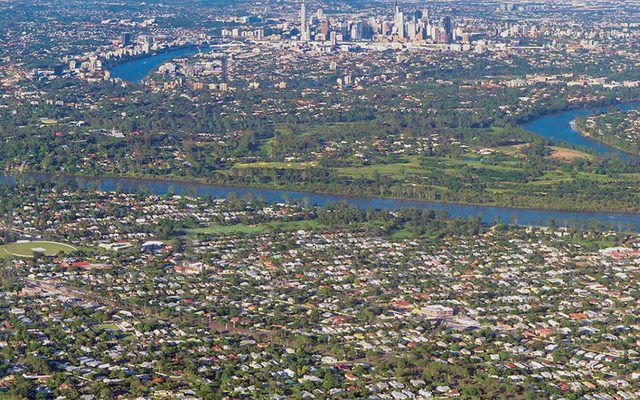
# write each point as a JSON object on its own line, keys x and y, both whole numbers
{"x": 181, "y": 297}
{"x": 319, "y": 199}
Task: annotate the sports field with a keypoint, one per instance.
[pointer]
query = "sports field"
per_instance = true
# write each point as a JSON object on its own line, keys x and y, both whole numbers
{"x": 25, "y": 249}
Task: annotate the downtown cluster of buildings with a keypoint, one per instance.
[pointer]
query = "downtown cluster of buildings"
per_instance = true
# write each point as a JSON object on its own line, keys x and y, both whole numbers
{"x": 415, "y": 26}
{"x": 295, "y": 27}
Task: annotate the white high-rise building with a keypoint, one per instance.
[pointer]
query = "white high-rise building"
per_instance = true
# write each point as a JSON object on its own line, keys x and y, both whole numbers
{"x": 398, "y": 23}
{"x": 425, "y": 15}
{"x": 412, "y": 30}
{"x": 357, "y": 30}
{"x": 305, "y": 32}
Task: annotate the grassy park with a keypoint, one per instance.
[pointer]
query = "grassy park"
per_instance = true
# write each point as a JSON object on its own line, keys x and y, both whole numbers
{"x": 494, "y": 171}
{"x": 25, "y": 249}
{"x": 277, "y": 165}
{"x": 259, "y": 228}
{"x": 564, "y": 179}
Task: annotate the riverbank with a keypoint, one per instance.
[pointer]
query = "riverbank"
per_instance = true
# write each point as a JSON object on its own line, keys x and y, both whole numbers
{"x": 108, "y": 64}
{"x": 136, "y": 69}
{"x": 504, "y": 190}
{"x": 487, "y": 214}
{"x": 557, "y": 127}
{"x": 516, "y": 199}
{"x": 610, "y": 144}
{"x": 608, "y": 138}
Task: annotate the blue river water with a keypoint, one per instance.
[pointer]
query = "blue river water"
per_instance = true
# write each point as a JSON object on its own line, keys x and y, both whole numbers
{"x": 489, "y": 215}
{"x": 557, "y": 127}
{"x": 137, "y": 69}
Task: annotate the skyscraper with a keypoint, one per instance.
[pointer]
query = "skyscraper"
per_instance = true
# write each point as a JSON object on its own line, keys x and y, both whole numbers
{"x": 447, "y": 29}
{"x": 305, "y": 32}
{"x": 357, "y": 30}
{"x": 398, "y": 23}
{"x": 125, "y": 39}
{"x": 324, "y": 27}
{"x": 412, "y": 30}
{"x": 425, "y": 15}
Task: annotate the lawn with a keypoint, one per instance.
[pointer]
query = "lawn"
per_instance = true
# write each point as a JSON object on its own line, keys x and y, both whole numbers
{"x": 24, "y": 249}
{"x": 397, "y": 170}
{"x": 499, "y": 176}
{"x": 249, "y": 229}
{"x": 412, "y": 166}
{"x": 409, "y": 166}
{"x": 556, "y": 152}
{"x": 102, "y": 327}
{"x": 278, "y": 165}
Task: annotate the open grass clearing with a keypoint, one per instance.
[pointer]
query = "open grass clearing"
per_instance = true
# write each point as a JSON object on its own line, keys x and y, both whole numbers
{"x": 102, "y": 327}
{"x": 278, "y": 165}
{"x": 413, "y": 166}
{"x": 259, "y": 228}
{"x": 25, "y": 249}
{"x": 557, "y": 152}
{"x": 567, "y": 154}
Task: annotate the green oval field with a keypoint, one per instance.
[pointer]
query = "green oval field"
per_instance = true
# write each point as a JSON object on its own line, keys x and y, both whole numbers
{"x": 25, "y": 249}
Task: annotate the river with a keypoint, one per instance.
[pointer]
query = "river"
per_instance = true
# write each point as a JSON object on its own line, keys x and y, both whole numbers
{"x": 137, "y": 69}
{"x": 487, "y": 214}
{"x": 555, "y": 127}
